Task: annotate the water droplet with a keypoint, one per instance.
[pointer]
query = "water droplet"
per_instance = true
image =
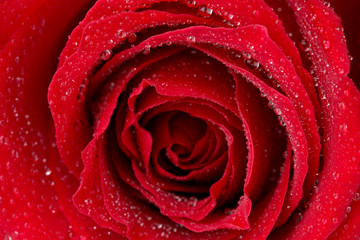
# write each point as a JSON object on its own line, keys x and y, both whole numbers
{"x": 346, "y": 93}
{"x": 344, "y": 128}
{"x": 265, "y": 74}
{"x": 326, "y": 44}
{"x": 336, "y": 175}
{"x": 277, "y": 111}
{"x": 205, "y": 11}
{"x": 246, "y": 55}
{"x": 356, "y": 197}
{"x": 68, "y": 92}
{"x": 314, "y": 17}
{"x": 105, "y": 55}
{"x": 304, "y": 46}
{"x": 251, "y": 63}
{"x": 342, "y": 106}
{"x": 147, "y": 49}
{"x": 319, "y": 207}
{"x": 120, "y": 33}
{"x": 348, "y": 210}
{"x": 132, "y": 38}
{"x": 230, "y": 16}
{"x": 48, "y": 172}
{"x": 27, "y": 225}
{"x": 341, "y": 71}
{"x": 191, "y": 3}
{"x": 336, "y": 195}
{"x": 191, "y": 39}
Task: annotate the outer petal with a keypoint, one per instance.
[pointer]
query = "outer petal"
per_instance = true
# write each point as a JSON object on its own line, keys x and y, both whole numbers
{"x": 24, "y": 119}
{"x": 341, "y": 109}
{"x": 14, "y": 13}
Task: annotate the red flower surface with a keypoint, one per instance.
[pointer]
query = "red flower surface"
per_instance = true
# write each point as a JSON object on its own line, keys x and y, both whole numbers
{"x": 169, "y": 119}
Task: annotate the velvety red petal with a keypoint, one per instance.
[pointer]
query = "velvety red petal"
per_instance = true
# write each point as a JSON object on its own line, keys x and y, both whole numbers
{"x": 14, "y": 13}
{"x": 312, "y": 135}
{"x": 265, "y": 213}
{"x": 151, "y": 188}
{"x": 148, "y": 100}
{"x": 264, "y": 155}
{"x": 141, "y": 220}
{"x": 71, "y": 116}
{"x": 341, "y": 131}
{"x": 25, "y": 118}
{"x": 293, "y": 135}
{"x": 349, "y": 228}
{"x": 89, "y": 198}
{"x": 66, "y": 186}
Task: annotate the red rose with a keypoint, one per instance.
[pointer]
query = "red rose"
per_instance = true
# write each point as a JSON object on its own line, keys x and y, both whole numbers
{"x": 178, "y": 120}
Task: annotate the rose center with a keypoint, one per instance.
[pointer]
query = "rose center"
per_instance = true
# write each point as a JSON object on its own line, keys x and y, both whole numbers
{"x": 186, "y": 140}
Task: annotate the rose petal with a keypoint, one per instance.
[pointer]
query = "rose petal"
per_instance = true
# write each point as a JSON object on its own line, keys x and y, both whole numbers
{"x": 349, "y": 228}
{"x": 25, "y": 119}
{"x": 141, "y": 220}
{"x": 21, "y": 11}
{"x": 199, "y": 114}
{"x": 265, "y": 213}
{"x": 334, "y": 89}
{"x": 89, "y": 198}
{"x": 71, "y": 116}
{"x": 66, "y": 186}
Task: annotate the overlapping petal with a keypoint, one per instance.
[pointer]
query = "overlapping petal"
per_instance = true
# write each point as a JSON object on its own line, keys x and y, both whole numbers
{"x": 179, "y": 119}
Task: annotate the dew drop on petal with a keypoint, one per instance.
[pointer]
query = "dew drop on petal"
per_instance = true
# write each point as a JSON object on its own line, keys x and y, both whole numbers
{"x": 105, "y": 55}
{"x": 342, "y": 106}
{"x": 265, "y": 74}
{"x": 120, "y": 33}
{"x": 246, "y": 55}
{"x": 344, "y": 128}
{"x": 191, "y": 3}
{"x": 147, "y": 50}
{"x": 132, "y": 38}
{"x": 191, "y": 39}
{"x": 356, "y": 197}
{"x": 229, "y": 16}
{"x": 205, "y": 11}
{"x": 48, "y": 172}
{"x": 326, "y": 44}
{"x": 336, "y": 195}
{"x": 341, "y": 71}
{"x": 304, "y": 46}
{"x": 251, "y": 63}
{"x": 277, "y": 111}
